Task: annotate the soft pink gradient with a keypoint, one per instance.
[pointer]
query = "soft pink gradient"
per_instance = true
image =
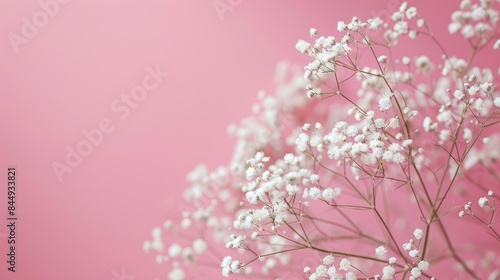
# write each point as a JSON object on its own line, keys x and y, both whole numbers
{"x": 65, "y": 79}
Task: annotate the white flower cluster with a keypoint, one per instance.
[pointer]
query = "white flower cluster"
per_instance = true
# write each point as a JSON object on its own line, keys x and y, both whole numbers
{"x": 174, "y": 252}
{"x": 230, "y": 266}
{"x": 474, "y": 20}
{"x": 388, "y": 142}
{"x": 404, "y": 22}
{"x": 327, "y": 270}
{"x": 485, "y": 202}
{"x": 326, "y": 52}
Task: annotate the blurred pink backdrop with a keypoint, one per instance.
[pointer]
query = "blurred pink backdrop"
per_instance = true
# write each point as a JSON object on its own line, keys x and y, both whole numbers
{"x": 80, "y": 60}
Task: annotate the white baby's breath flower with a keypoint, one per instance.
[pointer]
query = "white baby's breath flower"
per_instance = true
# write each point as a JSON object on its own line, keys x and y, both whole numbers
{"x": 381, "y": 250}
{"x": 407, "y": 142}
{"x": 406, "y": 60}
{"x": 382, "y": 59}
{"x": 467, "y": 134}
{"x": 468, "y": 31}
{"x": 146, "y": 246}
{"x": 483, "y": 202}
{"x": 420, "y": 22}
{"x": 289, "y": 158}
{"x": 454, "y": 27}
{"x": 302, "y": 141}
{"x": 302, "y": 46}
{"x": 344, "y": 264}
{"x": 174, "y": 250}
{"x": 411, "y": 12}
{"x": 458, "y": 94}
{"x": 424, "y": 64}
{"x": 418, "y": 233}
{"x": 314, "y": 178}
{"x": 388, "y": 272}
{"x": 496, "y": 101}
{"x": 313, "y": 32}
{"x": 375, "y": 23}
{"x": 415, "y": 273}
{"x": 328, "y": 194}
{"x": 341, "y": 26}
{"x": 199, "y": 246}
{"x": 328, "y": 260}
{"x": 235, "y": 266}
{"x": 314, "y": 193}
{"x": 496, "y": 45}
{"x": 444, "y": 134}
{"x": 413, "y": 253}
{"x": 385, "y": 102}
{"x": 187, "y": 255}
{"x": 423, "y": 265}
{"x": 350, "y": 276}
{"x": 177, "y": 274}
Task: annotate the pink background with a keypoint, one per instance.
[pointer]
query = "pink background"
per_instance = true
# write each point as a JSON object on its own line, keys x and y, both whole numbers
{"x": 66, "y": 77}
